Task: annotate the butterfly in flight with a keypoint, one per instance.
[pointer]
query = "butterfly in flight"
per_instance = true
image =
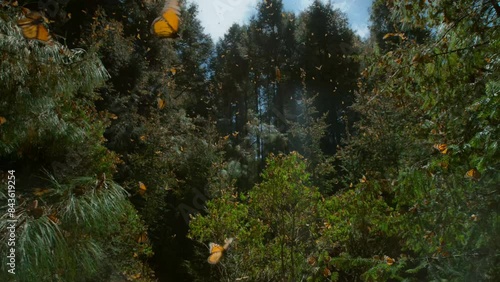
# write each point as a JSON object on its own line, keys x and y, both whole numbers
{"x": 216, "y": 251}
{"x": 33, "y": 27}
{"x": 167, "y": 24}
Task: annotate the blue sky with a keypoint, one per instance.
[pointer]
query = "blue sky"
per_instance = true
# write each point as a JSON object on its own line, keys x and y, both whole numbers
{"x": 217, "y": 16}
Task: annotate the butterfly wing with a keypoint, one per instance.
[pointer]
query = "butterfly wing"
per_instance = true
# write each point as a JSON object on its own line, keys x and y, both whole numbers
{"x": 473, "y": 174}
{"x": 30, "y": 31}
{"x": 142, "y": 188}
{"x": 32, "y": 18}
{"x": 167, "y": 24}
{"x": 33, "y": 27}
{"x": 214, "y": 258}
{"x": 443, "y": 148}
{"x": 227, "y": 242}
{"x": 161, "y": 103}
{"x": 143, "y": 238}
{"x": 214, "y": 248}
{"x": 42, "y": 33}
{"x": 215, "y": 253}
{"x": 29, "y": 24}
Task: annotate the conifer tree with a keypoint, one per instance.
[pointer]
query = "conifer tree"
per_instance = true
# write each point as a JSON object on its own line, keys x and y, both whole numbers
{"x": 418, "y": 159}
{"x": 328, "y": 58}
{"x": 67, "y": 205}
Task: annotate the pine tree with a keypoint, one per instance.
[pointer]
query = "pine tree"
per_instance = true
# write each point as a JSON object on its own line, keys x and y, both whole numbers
{"x": 328, "y": 58}
{"x": 67, "y": 210}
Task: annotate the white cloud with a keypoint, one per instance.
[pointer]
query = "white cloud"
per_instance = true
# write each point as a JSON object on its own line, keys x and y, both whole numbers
{"x": 344, "y": 6}
{"x": 217, "y": 16}
{"x": 362, "y": 30}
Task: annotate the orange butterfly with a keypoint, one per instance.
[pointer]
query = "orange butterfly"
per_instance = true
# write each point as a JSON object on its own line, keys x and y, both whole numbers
{"x": 41, "y": 191}
{"x": 33, "y": 27}
{"x": 142, "y": 188}
{"x": 161, "y": 103}
{"x": 442, "y": 148}
{"x": 54, "y": 219}
{"x": 143, "y": 238}
{"x": 389, "y": 260}
{"x": 167, "y": 24}
{"x": 216, "y": 251}
{"x": 278, "y": 74}
{"x": 473, "y": 174}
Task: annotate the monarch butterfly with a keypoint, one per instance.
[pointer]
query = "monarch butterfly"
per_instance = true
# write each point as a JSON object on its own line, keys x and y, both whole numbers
{"x": 216, "y": 251}
{"x": 33, "y": 27}
{"x": 473, "y": 174}
{"x": 326, "y": 272}
{"x": 278, "y": 74}
{"x": 41, "y": 191}
{"x": 363, "y": 179}
{"x": 143, "y": 238}
{"x": 389, "y": 260}
{"x": 442, "y": 148}
{"x": 34, "y": 210}
{"x": 167, "y": 24}
{"x": 54, "y": 219}
{"x": 311, "y": 260}
{"x": 161, "y": 103}
{"x": 142, "y": 188}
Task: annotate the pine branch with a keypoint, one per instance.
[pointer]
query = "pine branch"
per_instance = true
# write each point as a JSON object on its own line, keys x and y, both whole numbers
{"x": 495, "y": 5}
{"x": 461, "y": 49}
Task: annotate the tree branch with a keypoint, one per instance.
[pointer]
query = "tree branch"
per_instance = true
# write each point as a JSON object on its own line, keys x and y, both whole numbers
{"x": 461, "y": 49}
{"x": 495, "y": 5}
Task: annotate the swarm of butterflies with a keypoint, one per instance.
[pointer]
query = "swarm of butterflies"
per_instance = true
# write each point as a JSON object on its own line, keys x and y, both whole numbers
{"x": 34, "y": 24}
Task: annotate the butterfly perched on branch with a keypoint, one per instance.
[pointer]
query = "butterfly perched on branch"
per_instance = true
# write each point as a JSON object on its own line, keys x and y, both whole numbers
{"x": 442, "y": 148}
{"x": 473, "y": 174}
{"x": 142, "y": 188}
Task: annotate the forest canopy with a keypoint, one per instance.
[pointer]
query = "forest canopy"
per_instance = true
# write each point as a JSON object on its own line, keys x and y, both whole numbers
{"x": 134, "y": 148}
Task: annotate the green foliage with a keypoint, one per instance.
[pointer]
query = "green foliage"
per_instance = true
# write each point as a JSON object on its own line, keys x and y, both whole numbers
{"x": 69, "y": 223}
{"x": 52, "y": 88}
{"x": 174, "y": 161}
{"x": 207, "y": 131}
{"x": 305, "y": 136}
{"x": 286, "y": 203}
{"x": 66, "y": 235}
{"x": 328, "y": 56}
{"x": 274, "y": 225}
{"x": 385, "y": 27}
{"x": 423, "y": 205}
